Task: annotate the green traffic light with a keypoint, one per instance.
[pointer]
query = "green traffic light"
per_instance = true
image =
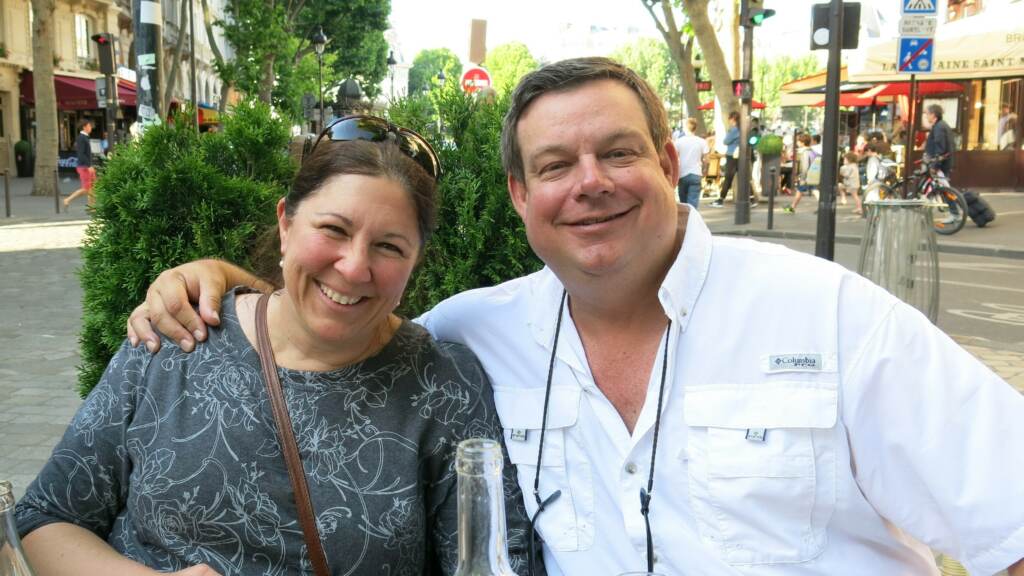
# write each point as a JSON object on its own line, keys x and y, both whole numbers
{"x": 753, "y": 140}
{"x": 759, "y": 17}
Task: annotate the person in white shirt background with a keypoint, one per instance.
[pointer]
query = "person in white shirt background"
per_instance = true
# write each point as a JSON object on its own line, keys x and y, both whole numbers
{"x": 663, "y": 412}
{"x": 692, "y": 149}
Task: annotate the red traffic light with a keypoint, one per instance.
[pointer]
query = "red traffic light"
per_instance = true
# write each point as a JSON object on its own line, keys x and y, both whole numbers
{"x": 102, "y": 38}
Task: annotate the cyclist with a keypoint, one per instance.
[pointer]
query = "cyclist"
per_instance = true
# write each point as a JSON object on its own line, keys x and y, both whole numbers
{"x": 938, "y": 150}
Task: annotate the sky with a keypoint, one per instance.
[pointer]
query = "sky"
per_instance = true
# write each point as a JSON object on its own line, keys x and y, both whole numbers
{"x": 541, "y": 25}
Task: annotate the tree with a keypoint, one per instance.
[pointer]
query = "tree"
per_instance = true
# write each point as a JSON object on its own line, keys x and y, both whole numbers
{"x": 508, "y": 63}
{"x": 43, "y": 40}
{"x": 769, "y": 76}
{"x": 225, "y": 71}
{"x": 271, "y": 37}
{"x": 428, "y": 63}
{"x": 678, "y": 35}
{"x": 171, "y": 80}
{"x": 714, "y": 58}
{"x": 652, "y": 61}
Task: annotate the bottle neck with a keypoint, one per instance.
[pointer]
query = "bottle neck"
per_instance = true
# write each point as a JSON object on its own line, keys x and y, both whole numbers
{"x": 12, "y": 557}
{"x": 481, "y": 499}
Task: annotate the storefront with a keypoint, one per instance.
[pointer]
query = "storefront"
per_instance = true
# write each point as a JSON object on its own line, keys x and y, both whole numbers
{"x": 981, "y": 60}
{"x": 76, "y": 102}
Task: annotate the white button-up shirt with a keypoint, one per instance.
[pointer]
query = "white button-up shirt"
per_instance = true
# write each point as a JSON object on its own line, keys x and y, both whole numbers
{"x": 812, "y": 424}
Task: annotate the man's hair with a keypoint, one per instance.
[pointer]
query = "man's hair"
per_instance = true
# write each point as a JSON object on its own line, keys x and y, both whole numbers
{"x": 804, "y": 139}
{"x": 816, "y": 138}
{"x": 566, "y": 75}
{"x": 935, "y": 110}
{"x": 83, "y": 124}
{"x": 851, "y": 157}
{"x": 691, "y": 125}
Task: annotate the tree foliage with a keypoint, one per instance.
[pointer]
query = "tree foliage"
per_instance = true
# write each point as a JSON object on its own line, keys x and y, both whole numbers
{"x": 770, "y": 75}
{"x": 276, "y": 36}
{"x": 507, "y": 63}
{"x": 168, "y": 198}
{"x": 653, "y": 62}
{"x": 480, "y": 240}
{"x": 428, "y": 63}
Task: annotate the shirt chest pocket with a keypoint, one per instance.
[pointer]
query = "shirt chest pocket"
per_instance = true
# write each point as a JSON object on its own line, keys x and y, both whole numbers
{"x": 566, "y": 524}
{"x": 762, "y": 468}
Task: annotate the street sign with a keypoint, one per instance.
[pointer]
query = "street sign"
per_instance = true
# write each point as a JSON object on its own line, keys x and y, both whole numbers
{"x": 915, "y": 55}
{"x": 101, "y": 92}
{"x": 918, "y": 26}
{"x": 928, "y": 7}
{"x": 475, "y": 78}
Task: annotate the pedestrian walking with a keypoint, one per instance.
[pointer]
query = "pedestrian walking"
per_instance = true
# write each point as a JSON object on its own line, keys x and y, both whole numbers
{"x": 692, "y": 150}
{"x": 85, "y": 169}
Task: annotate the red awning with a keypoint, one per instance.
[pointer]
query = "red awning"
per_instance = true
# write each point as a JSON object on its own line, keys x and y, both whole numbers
{"x": 850, "y": 99}
{"x": 903, "y": 89}
{"x": 711, "y": 105}
{"x": 74, "y": 93}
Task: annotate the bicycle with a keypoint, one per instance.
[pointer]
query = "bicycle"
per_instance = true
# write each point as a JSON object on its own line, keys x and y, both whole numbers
{"x": 949, "y": 208}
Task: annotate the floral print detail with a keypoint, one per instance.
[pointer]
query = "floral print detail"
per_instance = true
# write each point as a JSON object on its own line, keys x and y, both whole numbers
{"x": 173, "y": 459}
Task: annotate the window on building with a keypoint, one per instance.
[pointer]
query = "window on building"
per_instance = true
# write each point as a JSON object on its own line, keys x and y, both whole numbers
{"x": 958, "y": 9}
{"x": 83, "y": 41}
{"x": 996, "y": 107}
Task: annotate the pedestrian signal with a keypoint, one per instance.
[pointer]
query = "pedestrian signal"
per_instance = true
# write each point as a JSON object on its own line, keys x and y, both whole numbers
{"x": 105, "y": 50}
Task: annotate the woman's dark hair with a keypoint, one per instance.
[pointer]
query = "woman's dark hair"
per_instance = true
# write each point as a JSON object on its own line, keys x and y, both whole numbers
{"x": 329, "y": 159}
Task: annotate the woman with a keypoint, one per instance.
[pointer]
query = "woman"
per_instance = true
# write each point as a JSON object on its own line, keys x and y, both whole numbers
{"x": 173, "y": 460}
{"x": 804, "y": 159}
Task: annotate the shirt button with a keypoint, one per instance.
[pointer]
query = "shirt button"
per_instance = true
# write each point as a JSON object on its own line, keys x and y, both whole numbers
{"x": 631, "y": 468}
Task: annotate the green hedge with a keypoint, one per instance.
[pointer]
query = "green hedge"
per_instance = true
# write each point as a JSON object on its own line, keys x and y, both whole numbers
{"x": 480, "y": 240}
{"x": 171, "y": 197}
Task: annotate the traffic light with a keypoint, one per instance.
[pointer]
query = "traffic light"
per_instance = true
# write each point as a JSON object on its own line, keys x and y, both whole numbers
{"x": 105, "y": 49}
{"x": 753, "y": 12}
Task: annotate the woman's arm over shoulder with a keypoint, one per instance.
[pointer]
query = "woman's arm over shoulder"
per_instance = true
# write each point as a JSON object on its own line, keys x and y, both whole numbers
{"x": 477, "y": 419}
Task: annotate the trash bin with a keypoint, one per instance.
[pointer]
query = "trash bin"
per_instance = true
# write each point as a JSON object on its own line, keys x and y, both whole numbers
{"x": 899, "y": 252}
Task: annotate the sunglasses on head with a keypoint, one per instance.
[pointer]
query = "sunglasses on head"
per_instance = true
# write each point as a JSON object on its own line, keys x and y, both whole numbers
{"x": 374, "y": 129}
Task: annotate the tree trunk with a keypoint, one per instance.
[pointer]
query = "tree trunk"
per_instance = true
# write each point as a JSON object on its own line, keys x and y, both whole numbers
{"x": 267, "y": 71}
{"x": 179, "y": 46}
{"x": 714, "y": 59}
{"x": 225, "y": 86}
{"x": 43, "y": 39}
{"x": 682, "y": 55}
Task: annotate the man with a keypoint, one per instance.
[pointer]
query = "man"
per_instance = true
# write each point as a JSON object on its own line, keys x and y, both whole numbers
{"x": 940, "y": 144}
{"x": 692, "y": 149}
{"x": 86, "y": 172}
{"x": 732, "y": 147}
{"x": 840, "y": 436}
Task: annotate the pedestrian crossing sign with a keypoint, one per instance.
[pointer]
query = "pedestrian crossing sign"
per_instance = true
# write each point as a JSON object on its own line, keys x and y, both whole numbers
{"x": 920, "y": 7}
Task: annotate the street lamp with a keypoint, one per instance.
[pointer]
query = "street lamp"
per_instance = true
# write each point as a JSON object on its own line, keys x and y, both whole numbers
{"x": 391, "y": 71}
{"x": 440, "y": 77}
{"x": 319, "y": 43}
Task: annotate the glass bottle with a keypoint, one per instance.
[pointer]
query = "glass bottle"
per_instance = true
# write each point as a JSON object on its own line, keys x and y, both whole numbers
{"x": 12, "y": 557}
{"x": 482, "y": 549}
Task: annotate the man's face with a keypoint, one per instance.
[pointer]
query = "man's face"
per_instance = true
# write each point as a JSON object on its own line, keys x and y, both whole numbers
{"x": 929, "y": 119}
{"x": 598, "y": 194}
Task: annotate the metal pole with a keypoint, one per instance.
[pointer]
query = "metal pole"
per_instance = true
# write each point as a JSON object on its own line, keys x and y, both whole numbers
{"x": 908, "y": 148}
{"x": 320, "y": 89}
{"x": 147, "y": 20}
{"x": 825, "y": 240}
{"x": 192, "y": 60}
{"x": 56, "y": 190}
{"x": 772, "y": 188}
{"x": 7, "y": 193}
{"x": 743, "y": 172}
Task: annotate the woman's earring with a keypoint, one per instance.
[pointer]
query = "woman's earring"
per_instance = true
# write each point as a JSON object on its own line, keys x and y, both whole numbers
{"x": 281, "y": 263}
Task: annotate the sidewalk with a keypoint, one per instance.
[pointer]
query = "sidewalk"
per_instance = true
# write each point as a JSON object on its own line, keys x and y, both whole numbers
{"x": 26, "y": 208}
{"x": 1002, "y": 238}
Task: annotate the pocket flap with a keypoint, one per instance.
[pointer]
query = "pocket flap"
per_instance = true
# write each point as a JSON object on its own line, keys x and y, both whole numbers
{"x": 523, "y": 408}
{"x": 763, "y": 405}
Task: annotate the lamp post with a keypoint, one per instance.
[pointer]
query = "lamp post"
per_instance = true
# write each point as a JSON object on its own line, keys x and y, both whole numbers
{"x": 319, "y": 42}
{"x": 391, "y": 72}
{"x": 440, "y": 77}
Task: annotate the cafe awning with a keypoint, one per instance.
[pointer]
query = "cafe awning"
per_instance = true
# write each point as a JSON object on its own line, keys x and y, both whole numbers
{"x": 76, "y": 92}
{"x": 988, "y": 45}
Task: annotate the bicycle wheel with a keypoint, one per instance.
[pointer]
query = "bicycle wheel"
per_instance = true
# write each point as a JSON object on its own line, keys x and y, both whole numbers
{"x": 950, "y": 210}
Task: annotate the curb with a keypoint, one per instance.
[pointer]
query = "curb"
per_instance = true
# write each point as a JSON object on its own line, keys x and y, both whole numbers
{"x": 945, "y": 248}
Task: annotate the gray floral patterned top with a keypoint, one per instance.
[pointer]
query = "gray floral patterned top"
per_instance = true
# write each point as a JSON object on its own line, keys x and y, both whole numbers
{"x": 173, "y": 459}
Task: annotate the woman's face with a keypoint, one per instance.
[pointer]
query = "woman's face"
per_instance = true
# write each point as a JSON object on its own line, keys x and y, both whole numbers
{"x": 347, "y": 253}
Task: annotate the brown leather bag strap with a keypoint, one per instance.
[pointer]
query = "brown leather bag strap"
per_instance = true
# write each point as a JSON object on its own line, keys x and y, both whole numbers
{"x": 286, "y": 438}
